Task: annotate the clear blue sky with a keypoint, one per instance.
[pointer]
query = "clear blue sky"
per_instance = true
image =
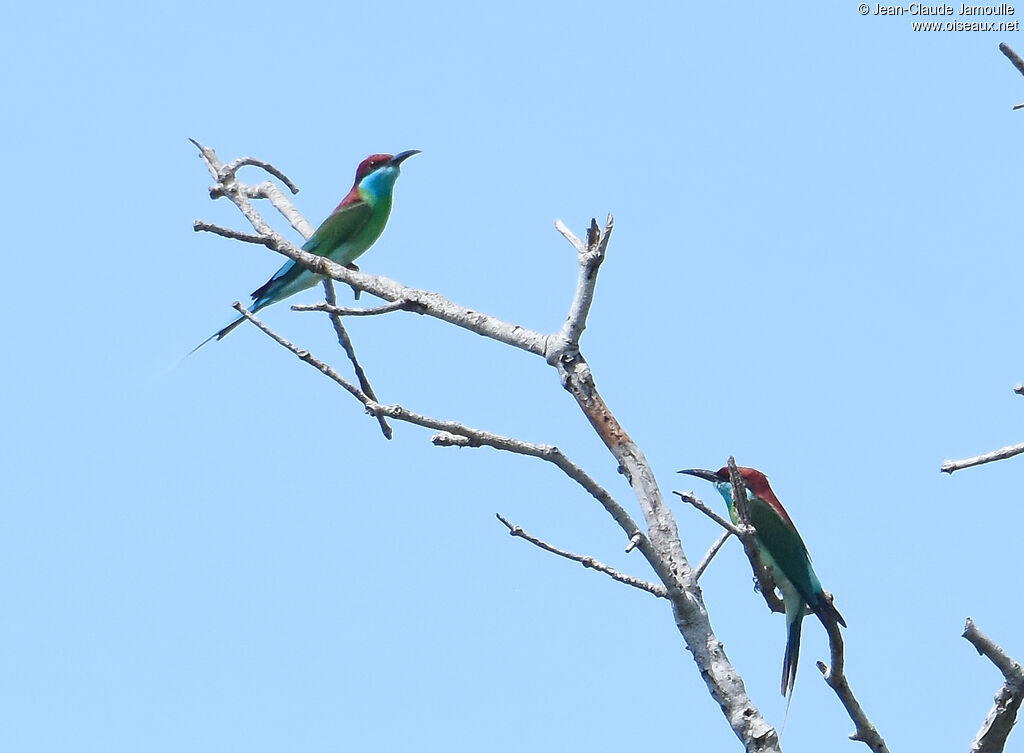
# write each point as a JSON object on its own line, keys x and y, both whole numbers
{"x": 226, "y": 555}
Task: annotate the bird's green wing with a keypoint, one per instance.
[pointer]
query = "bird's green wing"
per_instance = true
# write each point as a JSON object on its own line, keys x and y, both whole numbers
{"x": 783, "y": 543}
{"x": 345, "y": 223}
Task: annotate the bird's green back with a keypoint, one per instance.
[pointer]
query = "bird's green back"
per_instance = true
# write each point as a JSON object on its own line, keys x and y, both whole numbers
{"x": 780, "y": 539}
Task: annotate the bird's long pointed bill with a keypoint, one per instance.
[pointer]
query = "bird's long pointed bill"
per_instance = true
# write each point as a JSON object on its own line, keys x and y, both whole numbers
{"x": 701, "y": 473}
{"x": 401, "y": 157}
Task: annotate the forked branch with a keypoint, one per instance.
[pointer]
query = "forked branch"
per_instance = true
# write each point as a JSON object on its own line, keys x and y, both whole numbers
{"x": 585, "y": 560}
{"x": 995, "y": 730}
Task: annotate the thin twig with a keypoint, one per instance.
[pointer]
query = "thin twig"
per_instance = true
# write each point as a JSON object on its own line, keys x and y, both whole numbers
{"x": 988, "y": 648}
{"x": 991, "y": 738}
{"x": 227, "y": 182}
{"x": 691, "y": 499}
{"x": 570, "y": 236}
{"x": 239, "y": 193}
{"x": 346, "y": 343}
{"x": 273, "y": 194}
{"x": 233, "y": 167}
{"x": 634, "y": 541}
{"x": 387, "y": 308}
{"x": 452, "y": 434}
{"x": 206, "y": 227}
{"x": 591, "y": 256}
{"x": 213, "y": 163}
{"x": 719, "y": 543}
{"x": 283, "y": 204}
{"x": 586, "y": 561}
{"x": 950, "y": 466}
{"x": 304, "y": 355}
{"x": 1013, "y": 56}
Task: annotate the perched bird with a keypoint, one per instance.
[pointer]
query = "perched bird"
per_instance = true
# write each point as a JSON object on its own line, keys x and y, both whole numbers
{"x": 782, "y": 551}
{"x": 354, "y": 225}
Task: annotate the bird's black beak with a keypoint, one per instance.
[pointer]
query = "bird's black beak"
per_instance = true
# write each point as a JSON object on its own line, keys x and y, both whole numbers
{"x": 700, "y": 473}
{"x": 398, "y": 159}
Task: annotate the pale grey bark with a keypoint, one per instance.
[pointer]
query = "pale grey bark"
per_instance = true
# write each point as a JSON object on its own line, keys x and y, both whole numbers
{"x": 949, "y": 466}
{"x": 995, "y": 730}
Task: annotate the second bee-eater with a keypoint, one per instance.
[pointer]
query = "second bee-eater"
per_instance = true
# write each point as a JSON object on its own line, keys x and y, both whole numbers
{"x": 354, "y": 225}
{"x": 784, "y": 553}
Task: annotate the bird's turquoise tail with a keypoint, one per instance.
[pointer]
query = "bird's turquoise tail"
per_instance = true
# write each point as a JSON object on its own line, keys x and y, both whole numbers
{"x": 219, "y": 334}
{"x": 789, "y": 664}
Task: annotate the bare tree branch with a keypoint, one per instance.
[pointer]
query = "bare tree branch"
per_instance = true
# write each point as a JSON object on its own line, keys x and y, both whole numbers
{"x": 346, "y": 343}
{"x": 269, "y": 191}
{"x": 1016, "y": 60}
{"x": 586, "y": 561}
{"x": 227, "y": 185}
{"x": 865, "y": 731}
{"x": 591, "y": 255}
{"x": 634, "y": 541}
{"x": 304, "y": 355}
{"x": 240, "y": 194}
{"x": 570, "y": 236}
{"x": 206, "y": 227}
{"x": 669, "y": 560}
{"x": 387, "y": 308}
{"x": 283, "y": 204}
{"x": 237, "y": 164}
{"x": 995, "y": 730}
{"x": 1013, "y": 57}
{"x": 456, "y": 435}
{"x": 950, "y": 466}
{"x": 692, "y": 499}
{"x": 719, "y": 543}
